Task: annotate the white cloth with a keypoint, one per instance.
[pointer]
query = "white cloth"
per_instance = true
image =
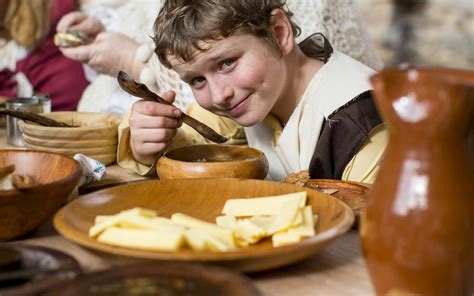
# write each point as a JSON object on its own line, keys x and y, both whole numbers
{"x": 92, "y": 170}
{"x": 10, "y": 54}
{"x": 340, "y": 80}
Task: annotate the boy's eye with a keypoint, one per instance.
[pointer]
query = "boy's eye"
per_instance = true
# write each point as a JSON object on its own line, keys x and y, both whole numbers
{"x": 197, "y": 80}
{"x": 227, "y": 63}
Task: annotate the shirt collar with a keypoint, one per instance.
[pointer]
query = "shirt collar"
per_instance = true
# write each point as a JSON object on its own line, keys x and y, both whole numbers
{"x": 315, "y": 46}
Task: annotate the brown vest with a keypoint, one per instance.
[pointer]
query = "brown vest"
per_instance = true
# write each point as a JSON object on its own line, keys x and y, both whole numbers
{"x": 342, "y": 136}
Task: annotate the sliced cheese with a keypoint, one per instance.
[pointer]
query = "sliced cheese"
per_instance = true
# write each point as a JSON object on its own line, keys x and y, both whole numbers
{"x": 250, "y": 232}
{"x": 285, "y": 238}
{"x": 200, "y": 240}
{"x": 264, "y": 222}
{"x": 226, "y": 221}
{"x": 223, "y": 234}
{"x": 142, "y": 238}
{"x": 285, "y": 217}
{"x": 306, "y": 229}
{"x": 111, "y": 220}
{"x": 261, "y": 206}
{"x": 157, "y": 223}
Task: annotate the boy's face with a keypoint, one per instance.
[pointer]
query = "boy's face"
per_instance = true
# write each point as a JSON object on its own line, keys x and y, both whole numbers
{"x": 237, "y": 77}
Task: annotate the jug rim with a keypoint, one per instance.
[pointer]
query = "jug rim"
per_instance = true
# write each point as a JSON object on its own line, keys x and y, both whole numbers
{"x": 453, "y": 75}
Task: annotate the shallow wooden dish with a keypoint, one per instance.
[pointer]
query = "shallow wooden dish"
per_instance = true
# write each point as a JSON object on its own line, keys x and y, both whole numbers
{"x": 351, "y": 193}
{"x": 212, "y": 161}
{"x": 41, "y": 259}
{"x": 203, "y": 199}
{"x": 163, "y": 278}
{"x": 97, "y": 134}
{"x": 21, "y": 212}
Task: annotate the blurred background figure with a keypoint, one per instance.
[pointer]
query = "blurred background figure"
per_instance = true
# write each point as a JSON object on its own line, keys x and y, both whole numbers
{"x": 401, "y": 37}
{"x": 121, "y": 31}
{"x": 341, "y": 22}
{"x": 422, "y": 33}
{"x": 29, "y": 61}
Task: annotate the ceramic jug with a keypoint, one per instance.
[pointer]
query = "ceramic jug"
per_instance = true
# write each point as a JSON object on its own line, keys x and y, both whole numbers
{"x": 418, "y": 226}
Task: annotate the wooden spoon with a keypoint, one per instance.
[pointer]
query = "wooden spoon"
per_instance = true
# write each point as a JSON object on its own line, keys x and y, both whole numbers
{"x": 34, "y": 117}
{"x": 23, "y": 182}
{"x": 6, "y": 170}
{"x": 141, "y": 90}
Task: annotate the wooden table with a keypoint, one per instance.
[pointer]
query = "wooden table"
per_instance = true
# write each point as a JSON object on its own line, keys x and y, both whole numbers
{"x": 337, "y": 270}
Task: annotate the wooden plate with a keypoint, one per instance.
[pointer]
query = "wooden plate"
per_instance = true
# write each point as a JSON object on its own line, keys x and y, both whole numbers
{"x": 203, "y": 199}
{"x": 351, "y": 193}
{"x": 39, "y": 259}
{"x": 163, "y": 278}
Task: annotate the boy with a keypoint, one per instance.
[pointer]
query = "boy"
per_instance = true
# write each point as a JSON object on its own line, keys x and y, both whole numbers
{"x": 307, "y": 107}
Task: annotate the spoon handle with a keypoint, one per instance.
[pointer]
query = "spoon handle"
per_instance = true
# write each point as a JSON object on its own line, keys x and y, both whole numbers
{"x": 141, "y": 90}
{"x": 33, "y": 117}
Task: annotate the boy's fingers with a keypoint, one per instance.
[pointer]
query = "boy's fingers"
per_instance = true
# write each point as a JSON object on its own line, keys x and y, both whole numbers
{"x": 155, "y": 109}
{"x": 153, "y": 122}
{"x": 169, "y": 96}
{"x": 160, "y": 135}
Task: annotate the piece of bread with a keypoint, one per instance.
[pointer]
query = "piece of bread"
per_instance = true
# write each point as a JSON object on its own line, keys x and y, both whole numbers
{"x": 70, "y": 38}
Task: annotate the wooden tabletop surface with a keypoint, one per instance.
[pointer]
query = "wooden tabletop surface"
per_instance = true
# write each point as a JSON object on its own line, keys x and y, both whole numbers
{"x": 339, "y": 269}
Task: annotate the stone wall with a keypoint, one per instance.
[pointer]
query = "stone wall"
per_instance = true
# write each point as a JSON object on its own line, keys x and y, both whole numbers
{"x": 436, "y": 33}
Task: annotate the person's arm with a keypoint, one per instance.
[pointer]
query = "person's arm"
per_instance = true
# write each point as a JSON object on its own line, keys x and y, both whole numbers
{"x": 364, "y": 166}
{"x": 109, "y": 53}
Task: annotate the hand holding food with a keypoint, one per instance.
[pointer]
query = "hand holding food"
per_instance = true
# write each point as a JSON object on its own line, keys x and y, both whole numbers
{"x": 71, "y": 38}
{"x": 80, "y": 22}
{"x": 285, "y": 218}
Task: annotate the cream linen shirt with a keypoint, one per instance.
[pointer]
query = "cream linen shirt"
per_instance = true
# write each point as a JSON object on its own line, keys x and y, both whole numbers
{"x": 290, "y": 149}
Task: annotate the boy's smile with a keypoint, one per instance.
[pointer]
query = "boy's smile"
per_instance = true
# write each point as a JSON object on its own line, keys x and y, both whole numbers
{"x": 238, "y": 77}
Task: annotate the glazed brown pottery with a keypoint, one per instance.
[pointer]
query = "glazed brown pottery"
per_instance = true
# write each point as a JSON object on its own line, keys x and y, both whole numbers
{"x": 418, "y": 227}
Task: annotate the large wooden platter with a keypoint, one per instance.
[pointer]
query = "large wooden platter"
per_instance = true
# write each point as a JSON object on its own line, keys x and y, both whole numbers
{"x": 203, "y": 199}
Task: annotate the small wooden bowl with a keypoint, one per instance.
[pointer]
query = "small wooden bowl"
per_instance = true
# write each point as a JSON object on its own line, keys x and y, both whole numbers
{"x": 56, "y": 175}
{"x": 96, "y": 135}
{"x": 213, "y": 161}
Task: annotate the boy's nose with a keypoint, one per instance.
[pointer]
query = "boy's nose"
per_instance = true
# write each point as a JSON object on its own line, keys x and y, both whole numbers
{"x": 221, "y": 92}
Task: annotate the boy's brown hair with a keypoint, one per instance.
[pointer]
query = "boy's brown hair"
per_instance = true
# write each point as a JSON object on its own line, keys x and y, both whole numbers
{"x": 182, "y": 24}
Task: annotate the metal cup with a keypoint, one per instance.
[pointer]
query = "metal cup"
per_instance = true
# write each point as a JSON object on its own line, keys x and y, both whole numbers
{"x": 35, "y": 104}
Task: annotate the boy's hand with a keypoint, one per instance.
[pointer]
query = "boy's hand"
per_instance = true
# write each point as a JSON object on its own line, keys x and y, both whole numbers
{"x": 152, "y": 128}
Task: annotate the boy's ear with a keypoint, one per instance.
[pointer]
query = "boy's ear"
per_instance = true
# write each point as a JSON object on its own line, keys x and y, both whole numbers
{"x": 283, "y": 32}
